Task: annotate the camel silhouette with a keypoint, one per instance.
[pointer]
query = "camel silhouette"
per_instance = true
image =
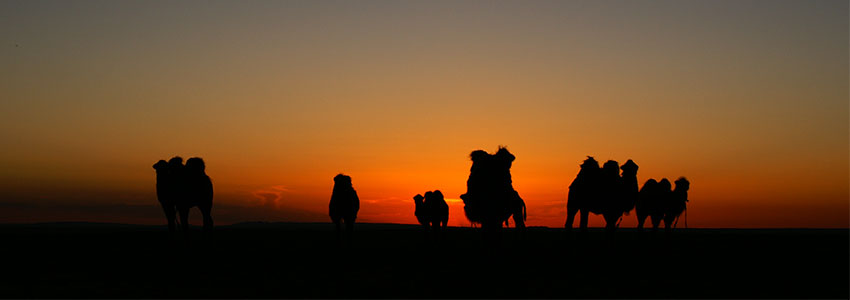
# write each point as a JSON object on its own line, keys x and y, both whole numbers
{"x": 629, "y": 192}
{"x": 199, "y": 192}
{"x": 421, "y": 213}
{"x": 344, "y": 204}
{"x": 490, "y": 198}
{"x": 603, "y": 192}
{"x": 167, "y": 191}
{"x": 647, "y": 204}
{"x": 432, "y": 211}
{"x": 583, "y": 196}
{"x": 179, "y": 188}
{"x": 676, "y": 203}
{"x": 664, "y": 198}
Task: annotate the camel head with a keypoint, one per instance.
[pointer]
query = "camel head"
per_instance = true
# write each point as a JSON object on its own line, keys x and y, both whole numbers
{"x": 342, "y": 181}
{"x": 629, "y": 168}
{"x": 682, "y": 184}
{"x": 160, "y": 166}
{"x": 479, "y": 156}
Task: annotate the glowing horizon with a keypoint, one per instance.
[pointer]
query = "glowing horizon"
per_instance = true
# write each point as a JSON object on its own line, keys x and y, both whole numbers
{"x": 748, "y": 100}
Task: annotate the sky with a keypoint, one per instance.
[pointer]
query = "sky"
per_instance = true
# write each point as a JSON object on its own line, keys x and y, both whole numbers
{"x": 747, "y": 99}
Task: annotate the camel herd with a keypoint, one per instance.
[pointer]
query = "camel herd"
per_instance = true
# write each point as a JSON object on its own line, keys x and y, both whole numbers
{"x": 490, "y": 200}
{"x": 604, "y": 191}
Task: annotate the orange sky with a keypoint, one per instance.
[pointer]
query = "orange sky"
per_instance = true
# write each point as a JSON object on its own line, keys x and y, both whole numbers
{"x": 749, "y": 100}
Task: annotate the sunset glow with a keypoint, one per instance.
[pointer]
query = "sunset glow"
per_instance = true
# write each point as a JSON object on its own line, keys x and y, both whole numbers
{"x": 747, "y": 99}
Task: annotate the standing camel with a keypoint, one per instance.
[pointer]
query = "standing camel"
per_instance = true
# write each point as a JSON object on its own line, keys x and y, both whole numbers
{"x": 179, "y": 188}
{"x": 344, "y": 204}
{"x": 676, "y": 203}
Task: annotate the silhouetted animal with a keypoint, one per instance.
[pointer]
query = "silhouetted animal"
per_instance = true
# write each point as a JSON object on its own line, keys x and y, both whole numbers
{"x": 663, "y": 194}
{"x": 344, "y": 203}
{"x": 199, "y": 192}
{"x": 422, "y": 214}
{"x": 629, "y": 186}
{"x": 432, "y": 210}
{"x": 438, "y": 209}
{"x": 676, "y": 203}
{"x": 647, "y": 203}
{"x": 167, "y": 193}
{"x": 179, "y": 188}
{"x": 490, "y": 198}
{"x": 602, "y": 191}
{"x": 583, "y": 195}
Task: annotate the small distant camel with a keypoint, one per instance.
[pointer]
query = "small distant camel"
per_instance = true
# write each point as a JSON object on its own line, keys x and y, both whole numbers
{"x": 654, "y": 198}
{"x": 168, "y": 190}
{"x": 421, "y": 213}
{"x": 677, "y": 203}
{"x": 179, "y": 188}
{"x": 490, "y": 198}
{"x": 647, "y": 204}
{"x": 199, "y": 192}
{"x": 432, "y": 211}
{"x": 629, "y": 186}
{"x": 344, "y": 204}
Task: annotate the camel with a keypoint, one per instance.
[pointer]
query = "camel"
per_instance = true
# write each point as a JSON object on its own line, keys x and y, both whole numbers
{"x": 167, "y": 191}
{"x": 432, "y": 211}
{"x": 676, "y": 203}
{"x": 490, "y": 198}
{"x": 199, "y": 192}
{"x": 602, "y": 191}
{"x": 422, "y": 214}
{"x": 583, "y": 195}
{"x": 344, "y": 204}
{"x": 179, "y": 188}
{"x": 646, "y": 204}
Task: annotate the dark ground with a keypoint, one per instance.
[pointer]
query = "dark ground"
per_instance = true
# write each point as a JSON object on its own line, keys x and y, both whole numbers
{"x": 255, "y": 260}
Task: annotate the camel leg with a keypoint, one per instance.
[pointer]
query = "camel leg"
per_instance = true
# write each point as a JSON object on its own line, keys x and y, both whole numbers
{"x": 338, "y": 229}
{"x": 656, "y": 220}
{"x": 641, "y": 219}
{"x": 349, "y": 225}
{"x": 585, "y": 214}
{"x": 208, "y": 221}
{"x": 571, "y": 215}
{"x": 667, "y": 222}
{"x": 610, "y": 223}
{"x": 171, "y": 215}
{"x": 518, "y": 222}
{"x": 184, "y": 220}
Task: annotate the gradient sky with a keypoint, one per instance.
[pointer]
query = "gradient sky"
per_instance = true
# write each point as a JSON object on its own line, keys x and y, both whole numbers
{"x": 748, "y": 99}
